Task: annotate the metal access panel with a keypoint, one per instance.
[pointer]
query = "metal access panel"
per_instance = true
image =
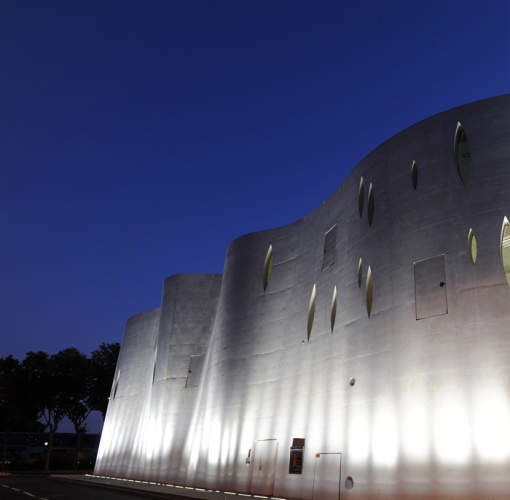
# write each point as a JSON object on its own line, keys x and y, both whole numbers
{"x": 264, "y": 467}
{"x": 195, "y": 370}
{"x": 328, "y": 258}
{"x": 326, "y": 480}
{"x": 430, "y": 287}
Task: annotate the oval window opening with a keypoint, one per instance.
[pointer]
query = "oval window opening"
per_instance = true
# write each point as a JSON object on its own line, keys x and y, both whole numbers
{"x": 116, "y": 386}
{"x": 414, "y": 174}
{"x": 311, "y": 311}
{"x": 333, "y": 308}
{"x": 505, "y": 249}
{"x": 370, "y": 204}
{"x": 268, "y": 266}
{"x": 360, "y": 272}
{"x": 472, "y": 247}
{"x": 369, "y": 291}
{"x": 361, "y": 196}
{"x": 462, "y": 153}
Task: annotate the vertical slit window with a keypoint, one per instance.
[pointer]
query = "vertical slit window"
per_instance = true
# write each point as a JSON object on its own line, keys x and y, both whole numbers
{"x": 472, "y": 247}
{"x": 115, "y": 386}
{"x": 311, "y": 311}
{"x": 414, "y": 174}
{"x": 155, "y": 360}
{"x": 361, "y": 196}
{"x": 360, "y": 272}
{"x": 505, "y": 248}
{"x": 370, "y": 204}
{"x": 268, "y": 266}
{"x": 333, "y": 308}
{"x": 328, "y": 258}
{"x": 369, "y": 291}
{"x": 462, "y": 153}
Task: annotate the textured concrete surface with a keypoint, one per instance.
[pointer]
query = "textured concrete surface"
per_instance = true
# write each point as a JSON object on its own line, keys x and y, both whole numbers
{"x": 387, "y": 349}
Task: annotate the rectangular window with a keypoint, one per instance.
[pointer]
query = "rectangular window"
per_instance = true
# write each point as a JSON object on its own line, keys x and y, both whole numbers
{"x": 196, "y": 364}
{"x": 430, "y": 287}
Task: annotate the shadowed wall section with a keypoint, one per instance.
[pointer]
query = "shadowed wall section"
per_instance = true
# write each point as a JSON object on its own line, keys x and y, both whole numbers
{"x": 363, "y": 351}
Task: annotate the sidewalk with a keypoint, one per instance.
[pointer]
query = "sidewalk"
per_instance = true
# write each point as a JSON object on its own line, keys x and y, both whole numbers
{"x": 160, "y": 490}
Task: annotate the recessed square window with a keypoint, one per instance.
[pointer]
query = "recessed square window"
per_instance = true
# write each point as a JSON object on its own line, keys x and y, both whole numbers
{"x": 195, "y": 370}
{"x": 430, "y": 287}
{"x": 328, "y": 258}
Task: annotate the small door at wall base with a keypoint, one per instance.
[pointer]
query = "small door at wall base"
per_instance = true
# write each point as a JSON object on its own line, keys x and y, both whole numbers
{"x": 326, "y": 480}
{"x": 264, "y": 467}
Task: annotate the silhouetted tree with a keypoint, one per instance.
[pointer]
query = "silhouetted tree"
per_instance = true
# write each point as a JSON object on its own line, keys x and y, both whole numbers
{"x": 59, "y": 387}
{"x": 51, "y": 387}
{"x": 79, "y": 379}
{"x": 103, "y": 363}
{"x": 41, "y": 383}
{"x": 18, "y": 411}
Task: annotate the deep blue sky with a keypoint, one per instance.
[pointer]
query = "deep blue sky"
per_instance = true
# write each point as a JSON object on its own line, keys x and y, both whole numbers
{"x": 138, "y": 138}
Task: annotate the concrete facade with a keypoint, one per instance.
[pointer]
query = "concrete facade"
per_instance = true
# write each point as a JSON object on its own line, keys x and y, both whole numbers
{"x": 361, "y": 352}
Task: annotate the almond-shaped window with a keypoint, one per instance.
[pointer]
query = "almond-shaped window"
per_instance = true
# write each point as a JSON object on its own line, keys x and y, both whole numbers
{"x": 333, "y": 308}
{"x": 115, "y": 386}
{"x": 361, "y": 196}
{"x": 414, "y": 174}
{"x": 369, "y": 291}
{"x": 155, "y": 360}
{"x": 268, "y": 266}
{"x": 311, "y": 311}
{"x": 462, "y": 153}
{"x": 505, "y": 249}
{"x": 370, "y": 204}
{"x": 360, "y": 272}
{"x": 472, "y": 247}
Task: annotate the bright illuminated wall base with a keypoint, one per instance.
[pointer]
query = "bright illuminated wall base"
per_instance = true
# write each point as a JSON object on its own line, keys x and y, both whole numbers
{"x": 361, "y": 352}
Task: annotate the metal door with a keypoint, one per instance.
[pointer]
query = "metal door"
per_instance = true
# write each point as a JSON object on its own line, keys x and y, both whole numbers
{"x": 326, "y": 480}
{"x": 264, "y": 467}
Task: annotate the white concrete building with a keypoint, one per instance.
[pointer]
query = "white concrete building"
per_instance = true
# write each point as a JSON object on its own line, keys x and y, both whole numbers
{"x": 361, "y": 352}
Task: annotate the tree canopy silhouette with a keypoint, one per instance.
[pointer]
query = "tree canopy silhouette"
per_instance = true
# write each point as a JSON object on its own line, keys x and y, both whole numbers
{"x": 43, "y": 389}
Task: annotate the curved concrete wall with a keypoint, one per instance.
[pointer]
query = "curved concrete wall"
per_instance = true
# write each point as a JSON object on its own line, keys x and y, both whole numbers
{"x": 394, "y": 373}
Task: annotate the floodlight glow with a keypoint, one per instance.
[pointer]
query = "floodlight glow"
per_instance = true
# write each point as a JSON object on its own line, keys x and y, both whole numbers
{"x": 384, "y": 436}
{"x": 452, "y": 436}
{"x": 359, "y": 434}
{"x": 415, "y": 430}
{"x": 492, "y": 425}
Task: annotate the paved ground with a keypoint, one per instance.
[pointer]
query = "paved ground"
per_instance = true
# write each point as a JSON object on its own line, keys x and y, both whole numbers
{"x": 158, "y": 489}
{"x": 43, "y": 487}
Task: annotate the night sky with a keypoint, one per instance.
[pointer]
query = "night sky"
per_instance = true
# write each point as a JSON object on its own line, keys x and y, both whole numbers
{"x": 138, "y": 138}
